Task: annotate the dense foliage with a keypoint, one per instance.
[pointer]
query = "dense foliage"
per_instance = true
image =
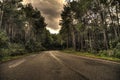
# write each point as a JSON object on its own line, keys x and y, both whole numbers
{"x": 87, "y": 25}
{"x": 91, "y": 25}
{"x": 22, "y": 29}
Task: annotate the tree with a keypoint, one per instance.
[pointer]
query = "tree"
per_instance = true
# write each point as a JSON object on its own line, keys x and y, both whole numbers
{"x": 68, "y": 25}
{"x": 23, "y": 24}
{"x": 96, "y": 24}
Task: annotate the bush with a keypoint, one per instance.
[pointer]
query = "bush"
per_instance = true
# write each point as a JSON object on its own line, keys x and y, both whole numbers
{"x": 9, "y": 49}
{"x": 4, "y": 40}
{"x": 32, "y": 46}
{"x": 16, "y": 49}
{"x": 4, "y": 52}
{"x": 4, "y": 44}
{"x": 103, "y": 53}
{"x": 117, "y": 51}
{"x": 118, "y": 46}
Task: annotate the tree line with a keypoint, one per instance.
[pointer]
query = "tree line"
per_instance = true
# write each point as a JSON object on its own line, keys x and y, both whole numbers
{"x": 87, "y": 25}
{"x": 91, "y": 25}
{"x": 23, "y": 29}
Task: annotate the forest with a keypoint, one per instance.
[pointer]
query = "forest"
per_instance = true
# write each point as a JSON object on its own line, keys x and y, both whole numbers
{"x": 86, "y": 26}
{"x": 92, "y": 26}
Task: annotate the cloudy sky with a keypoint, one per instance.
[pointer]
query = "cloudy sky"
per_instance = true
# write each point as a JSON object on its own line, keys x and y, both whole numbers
{"x": 51, "y": 10}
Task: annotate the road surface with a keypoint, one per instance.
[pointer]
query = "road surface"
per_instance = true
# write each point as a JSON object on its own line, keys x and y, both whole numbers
{"x": 55, "y": 65}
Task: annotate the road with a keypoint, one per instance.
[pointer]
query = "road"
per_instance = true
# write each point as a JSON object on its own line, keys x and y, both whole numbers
{"x": 55, "y": 65}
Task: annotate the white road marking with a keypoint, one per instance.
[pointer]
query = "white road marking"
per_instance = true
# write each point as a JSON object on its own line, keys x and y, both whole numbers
{"x": 96, "y": 59}
{"x": 17, "y": 63}
{"x": 56, "y": 58}
{"x": 33, "y": 55}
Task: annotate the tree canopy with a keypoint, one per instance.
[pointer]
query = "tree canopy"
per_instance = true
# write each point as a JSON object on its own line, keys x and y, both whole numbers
{"x": 91, "y": 25}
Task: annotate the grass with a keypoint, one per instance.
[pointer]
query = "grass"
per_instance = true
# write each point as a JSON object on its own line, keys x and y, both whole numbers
{"x": 8, "y": 58}
{"x": 68, "y": 51}
{"x": 91, "y": 55}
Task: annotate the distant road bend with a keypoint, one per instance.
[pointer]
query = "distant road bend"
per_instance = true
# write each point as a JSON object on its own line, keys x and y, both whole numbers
{"x": 55, "y": 65}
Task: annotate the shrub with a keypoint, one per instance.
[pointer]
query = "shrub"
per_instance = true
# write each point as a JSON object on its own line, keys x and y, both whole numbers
{"x": 117, "y": 51}
{"x": 32, "y": 46}
{"x": 4, "y": 52}
{"x": 4, "y": 40}
{"x": 103, "y": 53}
{"x": 16, "y": 49}
{"x": 118, "y": 46}
{"x": 4, "y": 44}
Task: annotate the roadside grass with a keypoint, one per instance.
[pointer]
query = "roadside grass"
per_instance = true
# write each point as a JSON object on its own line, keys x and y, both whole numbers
{"x": 9, "y": 58}
{"x": 91, "y": 55}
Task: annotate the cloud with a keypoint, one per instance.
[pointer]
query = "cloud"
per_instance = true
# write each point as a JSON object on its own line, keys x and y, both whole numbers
{"x": 51, "y": 10}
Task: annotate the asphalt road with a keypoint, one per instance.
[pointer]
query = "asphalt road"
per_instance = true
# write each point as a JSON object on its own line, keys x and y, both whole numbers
{"x": 55, "y": 65}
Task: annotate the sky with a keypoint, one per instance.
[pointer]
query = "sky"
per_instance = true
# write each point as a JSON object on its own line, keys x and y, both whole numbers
{"x": 51, "y": 10}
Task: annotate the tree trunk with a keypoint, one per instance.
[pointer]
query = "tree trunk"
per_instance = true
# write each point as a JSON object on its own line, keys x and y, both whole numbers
{"x": 114, "y": 27}
{"x": 1, "y": 18}
{"x": 73, "y": 39}
{"x": 117, "y": 12}
{"x": 105, "y": 39}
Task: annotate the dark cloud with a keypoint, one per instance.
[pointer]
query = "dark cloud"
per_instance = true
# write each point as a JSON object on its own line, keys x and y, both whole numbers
{"x": 50, "y": 9}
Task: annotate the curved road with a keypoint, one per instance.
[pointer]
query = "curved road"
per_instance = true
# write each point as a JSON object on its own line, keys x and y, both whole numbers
{"x": 55, "y": 65}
